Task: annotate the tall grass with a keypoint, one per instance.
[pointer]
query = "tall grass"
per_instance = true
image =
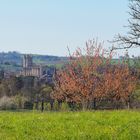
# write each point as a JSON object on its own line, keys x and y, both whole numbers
{"x": 99, "y": 125}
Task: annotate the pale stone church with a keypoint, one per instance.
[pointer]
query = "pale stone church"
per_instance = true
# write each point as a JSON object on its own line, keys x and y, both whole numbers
{"x": 30, "y": 69}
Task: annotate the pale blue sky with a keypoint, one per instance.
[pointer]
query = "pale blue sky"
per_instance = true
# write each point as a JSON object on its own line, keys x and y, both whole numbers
{"x": 48, "y": 26}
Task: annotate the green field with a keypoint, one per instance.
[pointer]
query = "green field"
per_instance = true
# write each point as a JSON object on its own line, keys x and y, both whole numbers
{"x": 99, "y": 125}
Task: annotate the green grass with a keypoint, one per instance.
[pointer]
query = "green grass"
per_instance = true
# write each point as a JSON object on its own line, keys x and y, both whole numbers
{"x": 99, "y": 125}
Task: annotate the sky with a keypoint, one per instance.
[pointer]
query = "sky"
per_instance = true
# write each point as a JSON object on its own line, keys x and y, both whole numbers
{"x": 49, "y": 26}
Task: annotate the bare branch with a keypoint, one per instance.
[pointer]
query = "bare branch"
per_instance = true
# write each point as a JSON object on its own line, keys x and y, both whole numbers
{"x": 132, "y": 39}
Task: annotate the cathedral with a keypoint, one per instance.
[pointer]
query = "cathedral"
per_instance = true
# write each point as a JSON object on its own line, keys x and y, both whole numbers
{"x": 30, "y": 69}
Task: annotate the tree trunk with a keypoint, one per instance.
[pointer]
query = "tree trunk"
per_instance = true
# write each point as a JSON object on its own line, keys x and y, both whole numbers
{"x": 59, "y": 104}
{"x": 51, "y": 103}
{"x": 42, "y": 106}
{"x": 36, "y": 105}
{"x": 94, "y": 104}
{"x": 128, "y": 103}
{"x": 84, "y": 105}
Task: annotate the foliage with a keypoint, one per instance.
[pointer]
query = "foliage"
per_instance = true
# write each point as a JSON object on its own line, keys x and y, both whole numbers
{"x": 65, "y": 107}
{"x": 24, "y": 91}
{"x": 13, "y": 60}
{"x": 14, "y": 102}
{"x": 45, "y": 92}
{"x": 7, "y": 103}
{"x": 90, "y": 76}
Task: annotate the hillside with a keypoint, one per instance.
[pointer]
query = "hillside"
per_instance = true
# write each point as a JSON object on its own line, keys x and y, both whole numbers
{"x": 12, "y": 61}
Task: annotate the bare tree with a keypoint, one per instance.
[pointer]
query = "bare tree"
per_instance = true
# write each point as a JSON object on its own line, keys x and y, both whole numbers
{"x": 132, "y": 38}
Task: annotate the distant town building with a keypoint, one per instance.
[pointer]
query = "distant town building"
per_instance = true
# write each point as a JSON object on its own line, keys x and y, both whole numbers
{"x": 30, "y": 69}
{"x": 8, "y": 74}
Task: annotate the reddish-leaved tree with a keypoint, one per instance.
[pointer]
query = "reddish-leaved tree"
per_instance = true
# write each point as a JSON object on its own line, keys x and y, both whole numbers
{"x": 89, "y": 76}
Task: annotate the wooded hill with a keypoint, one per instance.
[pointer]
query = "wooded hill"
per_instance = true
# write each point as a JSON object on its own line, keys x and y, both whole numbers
{"x": 12, "y": 61}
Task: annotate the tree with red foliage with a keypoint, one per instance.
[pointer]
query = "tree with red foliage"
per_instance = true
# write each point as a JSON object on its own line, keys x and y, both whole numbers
{"x": 119, "y": 83}
{"x": 90, "y": 76}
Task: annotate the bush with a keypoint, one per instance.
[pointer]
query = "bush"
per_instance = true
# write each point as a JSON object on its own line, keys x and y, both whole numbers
{"x": 7, "y": 103}
{"x": 48, "y": 107}
{"x": 56, "y": 106}
{"x": 135, "y": 99}
{"x": 19, "y": 101}
{"x": 65, "y": 107}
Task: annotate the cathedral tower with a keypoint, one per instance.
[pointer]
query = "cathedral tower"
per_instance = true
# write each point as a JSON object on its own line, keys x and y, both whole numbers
{"x": 27, "y": 61}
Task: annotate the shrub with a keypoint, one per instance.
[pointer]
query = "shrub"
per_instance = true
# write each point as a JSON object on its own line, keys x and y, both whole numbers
{"x": 48, "y": 107}
{"x": 65, "y": 107}
{"x": 19, "y": 101}
{"x": 7, "y": 103}
{"x": 56, "y": 106}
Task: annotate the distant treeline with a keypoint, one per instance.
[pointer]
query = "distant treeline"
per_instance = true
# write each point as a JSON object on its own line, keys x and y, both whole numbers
{"x": 12, "y": 61}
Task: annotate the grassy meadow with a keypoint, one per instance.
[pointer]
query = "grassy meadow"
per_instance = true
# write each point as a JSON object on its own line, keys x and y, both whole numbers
{"x": 98, "y": 125}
